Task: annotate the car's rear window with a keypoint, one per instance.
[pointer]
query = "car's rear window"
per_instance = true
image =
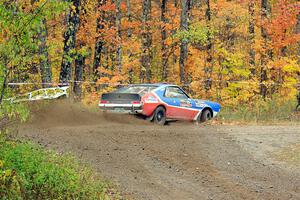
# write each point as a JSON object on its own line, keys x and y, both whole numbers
{"x": 136, "y": 89}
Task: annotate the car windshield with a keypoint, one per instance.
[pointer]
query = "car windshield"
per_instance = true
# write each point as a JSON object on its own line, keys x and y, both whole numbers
{"x": 136, "y": 89}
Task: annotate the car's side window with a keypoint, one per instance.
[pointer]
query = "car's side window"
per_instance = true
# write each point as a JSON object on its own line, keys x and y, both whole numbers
{"x": 175, "y": 92}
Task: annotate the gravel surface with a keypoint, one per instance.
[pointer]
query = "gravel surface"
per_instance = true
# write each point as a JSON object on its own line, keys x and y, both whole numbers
{"x": 178, "y": 161}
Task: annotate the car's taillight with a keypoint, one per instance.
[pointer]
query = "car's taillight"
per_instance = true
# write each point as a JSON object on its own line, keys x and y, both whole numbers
{"x": 135, "y": 102}
{"x": 104, "y": 101}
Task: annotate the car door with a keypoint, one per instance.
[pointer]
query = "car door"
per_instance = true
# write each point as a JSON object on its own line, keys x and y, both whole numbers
{"x": 180, "y": 105}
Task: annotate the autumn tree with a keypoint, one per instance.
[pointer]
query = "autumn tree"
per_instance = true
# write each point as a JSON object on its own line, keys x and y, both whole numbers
{"x": 129, "y": 36}
{"x": 99, "y": 39}
{"x": 23, "y": 43}
{"x": 184, "y": 41}
{"x": 208, "y": 64}
{"x": 265, "y": 14}
{"x": 45, "y": 67}
{"x": 81, "y": 51}
{"x": 70, "y": 41}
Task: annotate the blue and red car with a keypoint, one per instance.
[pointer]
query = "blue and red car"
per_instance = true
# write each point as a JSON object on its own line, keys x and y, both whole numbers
{"x": 158, "y": 103}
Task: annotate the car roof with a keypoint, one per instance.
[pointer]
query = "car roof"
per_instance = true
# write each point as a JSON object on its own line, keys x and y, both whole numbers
{"x": 152, "y": 84}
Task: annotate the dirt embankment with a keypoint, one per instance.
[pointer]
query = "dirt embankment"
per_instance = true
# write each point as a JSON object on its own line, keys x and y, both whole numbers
{"x": 178, "y": 161}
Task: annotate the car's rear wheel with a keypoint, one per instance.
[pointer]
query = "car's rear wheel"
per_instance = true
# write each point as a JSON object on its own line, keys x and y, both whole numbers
{"x": 206, "y": 115}
{"x": 160, "y": 115}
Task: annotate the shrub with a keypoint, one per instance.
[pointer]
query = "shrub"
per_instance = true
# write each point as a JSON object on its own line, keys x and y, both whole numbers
{"x": 29, "y": 172}
{"x": 272, "y": 110}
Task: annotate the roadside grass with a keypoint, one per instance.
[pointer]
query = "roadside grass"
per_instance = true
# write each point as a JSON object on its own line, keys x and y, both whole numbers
{"x": 27, "y": 171}
{"x": 290, "y": 155}
{"x": 272, "y": 111}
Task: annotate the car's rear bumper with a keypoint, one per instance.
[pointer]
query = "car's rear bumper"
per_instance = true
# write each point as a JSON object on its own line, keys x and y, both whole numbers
{"x": 122, "y": 108}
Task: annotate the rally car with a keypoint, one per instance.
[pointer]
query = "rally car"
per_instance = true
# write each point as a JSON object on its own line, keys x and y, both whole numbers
{"x": 158, "y": 103}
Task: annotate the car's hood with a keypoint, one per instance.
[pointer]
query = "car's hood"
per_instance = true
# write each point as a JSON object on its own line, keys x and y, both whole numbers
{"x": 214, "y": 105}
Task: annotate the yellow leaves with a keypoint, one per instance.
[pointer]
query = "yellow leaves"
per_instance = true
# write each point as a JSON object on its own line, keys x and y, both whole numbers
{"x": 288, "y": 65}
{"x": 72, "y": 7}
{"x": 291, "y": 66}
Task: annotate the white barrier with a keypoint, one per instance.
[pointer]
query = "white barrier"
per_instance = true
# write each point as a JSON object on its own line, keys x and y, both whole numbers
{"x": 42, "y": 94}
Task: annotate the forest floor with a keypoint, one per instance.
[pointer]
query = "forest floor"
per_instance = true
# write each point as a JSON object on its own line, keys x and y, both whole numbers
{"x": 179, "y": 161}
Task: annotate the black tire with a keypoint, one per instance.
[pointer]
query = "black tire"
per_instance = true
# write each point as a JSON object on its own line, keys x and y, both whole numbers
{"x": 160, "y": 116}
{"x": 206, "y": 116}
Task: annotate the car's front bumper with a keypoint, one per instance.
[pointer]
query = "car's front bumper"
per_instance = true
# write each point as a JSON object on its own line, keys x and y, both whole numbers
{"x": 215, "y": 113}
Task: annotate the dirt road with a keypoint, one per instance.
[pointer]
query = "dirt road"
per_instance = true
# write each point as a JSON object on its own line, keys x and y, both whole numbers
{"x": 179, "y": 161}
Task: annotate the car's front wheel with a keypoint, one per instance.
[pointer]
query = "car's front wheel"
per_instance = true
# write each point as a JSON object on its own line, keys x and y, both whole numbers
{"x": 160, "y": 116}
{"x": 206, "y": 115}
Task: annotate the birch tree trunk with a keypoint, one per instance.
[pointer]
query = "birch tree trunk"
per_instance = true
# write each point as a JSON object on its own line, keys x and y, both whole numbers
{"x": 69, "y": 42}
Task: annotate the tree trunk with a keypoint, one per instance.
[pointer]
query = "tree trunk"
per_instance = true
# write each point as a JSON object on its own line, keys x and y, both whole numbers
{"x": 252, "y": 36}
{"x": 298, "y": 32}
{"x": 184, "y": 43}
{"x": 174, "y": 56}
{"x": 45, "y": 67}
{"x": 208, "y": 65}
{"x": 99, "y": 41}
{"x": 265, "y": 13}
{"x": 163, "y": 40}
{"x": 69, "y": 42}
{"x": 118, "y": 24}
{"x": 129, "y": 35}
{"x": 190, "y": 5}
{"x": 128, "y": 15}
{"x": 146, "y": 42}
{"x": 79, "y": 65}
{"x": 4, "y": 84}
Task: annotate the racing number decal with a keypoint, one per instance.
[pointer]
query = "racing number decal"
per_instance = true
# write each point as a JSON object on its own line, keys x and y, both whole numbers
{"x": 185, "y": 103}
